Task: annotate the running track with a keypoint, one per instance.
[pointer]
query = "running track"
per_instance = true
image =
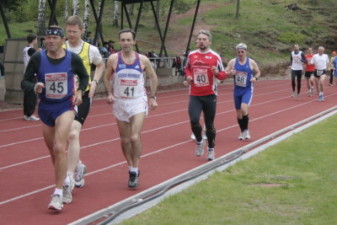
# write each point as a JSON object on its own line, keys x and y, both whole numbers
{"x": 26, "y": 173}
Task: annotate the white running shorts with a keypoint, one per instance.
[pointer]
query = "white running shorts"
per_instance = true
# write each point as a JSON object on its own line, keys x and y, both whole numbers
{"x": 125, "y": 109}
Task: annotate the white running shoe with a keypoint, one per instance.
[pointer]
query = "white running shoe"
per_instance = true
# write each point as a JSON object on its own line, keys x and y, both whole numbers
{"x": 246, "y": 134}
{"x": 199, "y": 151}
{"x": 211, "y": 155}
{"x": 67, "y": 191}
{"x": 80, "y": 170}
{"x": 31, "y": 118}
{"x": 56, "y": 203}
{"x": 241, "y": 136}
{"x": 192, "y": 136}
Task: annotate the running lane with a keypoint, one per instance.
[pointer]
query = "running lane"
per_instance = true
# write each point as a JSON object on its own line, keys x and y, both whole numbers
{"x": 27, "y": 174}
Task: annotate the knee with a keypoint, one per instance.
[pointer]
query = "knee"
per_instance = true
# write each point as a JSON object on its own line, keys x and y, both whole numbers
{"x": 59, "y": 149}
{"x": 74, "y": 135}
{"x": 135, "y": 138}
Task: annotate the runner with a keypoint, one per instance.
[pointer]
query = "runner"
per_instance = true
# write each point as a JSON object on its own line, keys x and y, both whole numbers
{"x": 309, "y": 72}
{"x": 89, "y": 55}
{"x": 321, "y": 62}
{"x": 297, "y": 59}
{"x": 128, "y": 96}
{"x": 246, "y": 72}
{"x": 55, "y": 69}
{"x": 203, "y": 66}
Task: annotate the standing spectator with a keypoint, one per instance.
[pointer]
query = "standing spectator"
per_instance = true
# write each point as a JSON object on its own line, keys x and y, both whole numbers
{"x": 128, "y": 96}
{"x": 333, "y": 56}
{"x": 104, "y": 50}
{"x": 321, "y": 62}
{"x": 88, "y": 37}
{"x": 111, "y": 47}
{"x": 309, "y": 72}
{"x": 297, "y": 59}
{"x": 246, "y": 72}
{"x": 29, "y": 97}
{"x": 55, "y": 69}
{"x": 202, "y": 67}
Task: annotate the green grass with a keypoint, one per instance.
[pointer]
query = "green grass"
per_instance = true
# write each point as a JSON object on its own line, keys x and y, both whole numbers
{"x": 293, "y": 182}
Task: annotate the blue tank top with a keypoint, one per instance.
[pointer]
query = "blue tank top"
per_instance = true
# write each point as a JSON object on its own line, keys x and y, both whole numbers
{"x": 59, "y": 79}
{"x": 129, "y": 79}
{"x": 243, "y": 75}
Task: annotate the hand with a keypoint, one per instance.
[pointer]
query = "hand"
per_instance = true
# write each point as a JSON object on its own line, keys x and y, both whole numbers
{"x": 215, "y": 70}
{"x": 153, "y": 104}
{"x": 253, "y": 80}
{"x": 38, "y": 87}
{"x": 77, "y": 98}
{"x": 189, "y": 79}
{"x": 110, "y": 99}
{"x": 185, "y": 83}
{"x": 232, "y": 72}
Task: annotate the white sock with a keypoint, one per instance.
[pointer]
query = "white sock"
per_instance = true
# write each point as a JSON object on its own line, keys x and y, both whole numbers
{"x": 67, "y": 181}
{"x": 70, "y": 174}
{"x": 58, "y": 192}
{"x": 134, "y": 169}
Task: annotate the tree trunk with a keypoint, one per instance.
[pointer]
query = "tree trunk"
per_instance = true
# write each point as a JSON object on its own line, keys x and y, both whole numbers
{"x": 66, "y": 13}
{"x": 115, "y": 14}
{"x": 41, "y": 17}
{"x": 131, "y": 9}
{"x": 237, "y": 9}
{"x": 76, "y": 7}
{"x": 86, "y": 16}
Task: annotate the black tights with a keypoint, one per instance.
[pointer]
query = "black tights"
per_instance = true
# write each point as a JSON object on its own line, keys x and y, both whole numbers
{"x": 207, "y": 105}
{"x": 296, "y": 74}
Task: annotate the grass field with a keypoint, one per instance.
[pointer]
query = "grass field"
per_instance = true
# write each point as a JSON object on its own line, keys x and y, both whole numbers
{"x": 293, "y": 183}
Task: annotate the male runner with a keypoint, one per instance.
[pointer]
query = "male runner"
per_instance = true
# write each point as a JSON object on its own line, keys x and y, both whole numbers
{"x": 297, "y": 59}
{"x": 321, "y": 62}
{"x": 246, "y": 72}
{"x": 89, "y": 55}
{"x": 55, "y": 69}
{"x": 202, "y": 68}
{"x": 129, "y": 99}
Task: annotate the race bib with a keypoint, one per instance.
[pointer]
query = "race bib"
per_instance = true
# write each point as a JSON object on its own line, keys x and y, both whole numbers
{"x": 56, "y": 85}
{"x": 241, "y": 79}
{"x": 200, "y": 77}
{"x": 128, "y": 88}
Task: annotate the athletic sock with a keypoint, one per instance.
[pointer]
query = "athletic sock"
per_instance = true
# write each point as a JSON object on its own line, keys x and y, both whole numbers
{"x": 58, "y": 192}
{"x": 245, "y": 122}
{"x": 240, "y": 122}
{"x": 67, "y": 181}
{"x": 210, "y": 149}
{"x": 134, "y": 170}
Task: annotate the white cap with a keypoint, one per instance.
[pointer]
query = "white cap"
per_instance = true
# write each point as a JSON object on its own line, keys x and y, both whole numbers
{"x": 241, "y": 46}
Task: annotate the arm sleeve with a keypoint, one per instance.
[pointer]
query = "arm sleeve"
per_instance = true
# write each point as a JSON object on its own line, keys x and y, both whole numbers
{"x": 222, "y": 74}
{"x": 80, "y": 71}
{"x": 29, "y": 79}
{"x": 31, "y": 51}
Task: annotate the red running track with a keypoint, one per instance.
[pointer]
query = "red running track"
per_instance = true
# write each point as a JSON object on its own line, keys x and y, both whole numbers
{"x": 26, "y": 171}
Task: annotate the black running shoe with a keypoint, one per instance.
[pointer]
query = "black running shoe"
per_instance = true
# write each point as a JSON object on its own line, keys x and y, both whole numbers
{"x": 133, "y": 179}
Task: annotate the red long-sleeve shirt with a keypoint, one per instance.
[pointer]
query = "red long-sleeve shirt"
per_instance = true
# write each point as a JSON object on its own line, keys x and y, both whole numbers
{"x": 199, "y": 67}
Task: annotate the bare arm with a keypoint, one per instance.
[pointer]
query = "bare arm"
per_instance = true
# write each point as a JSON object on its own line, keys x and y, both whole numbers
{"x": 256, "y": 69}
{"x": 107, "y": 78}
{"x": 153, "y": 81}
{"x": 97, "y": 77}
{"x": 230, "y": 68}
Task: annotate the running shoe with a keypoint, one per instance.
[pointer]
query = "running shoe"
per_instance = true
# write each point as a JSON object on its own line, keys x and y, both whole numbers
{"x": 246, "y": 134}
{"x": 31, "y": 118}
{"x": 133, "y": 179}
{"x": 56, "y": 203}
{"x": 199, "y": 151}
{"x": 203, "y": 136}
{"x": 67, "y": 189}
{"x": 241, "y": 136}
{"x": 211, "y": 155}
{"x": 321, "y": 97}
{"x": 80, "y": 171}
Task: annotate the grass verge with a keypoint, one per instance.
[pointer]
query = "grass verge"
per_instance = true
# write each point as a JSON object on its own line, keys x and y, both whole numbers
{"x": 293, "y": 182}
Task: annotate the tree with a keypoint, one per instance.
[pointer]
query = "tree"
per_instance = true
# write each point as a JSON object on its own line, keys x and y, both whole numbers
{"x": 115, "y": 14}
{"x": 66, "y": 12}
{"x": 86, "y": 15}
{"x": 76, "y": 7}
{"x": 41, "y": 17}
{"x": 237, "y": 9}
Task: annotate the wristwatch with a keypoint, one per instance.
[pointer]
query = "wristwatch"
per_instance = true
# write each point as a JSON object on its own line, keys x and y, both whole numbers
{"x": 154, "y": 97}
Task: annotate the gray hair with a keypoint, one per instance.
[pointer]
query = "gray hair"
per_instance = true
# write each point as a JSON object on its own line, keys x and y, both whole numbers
{"x": 207, "y": 33}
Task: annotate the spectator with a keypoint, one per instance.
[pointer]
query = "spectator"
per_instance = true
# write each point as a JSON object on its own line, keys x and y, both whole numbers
{"x": 104, "y": 50}
{"x": 111, "y": 47}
